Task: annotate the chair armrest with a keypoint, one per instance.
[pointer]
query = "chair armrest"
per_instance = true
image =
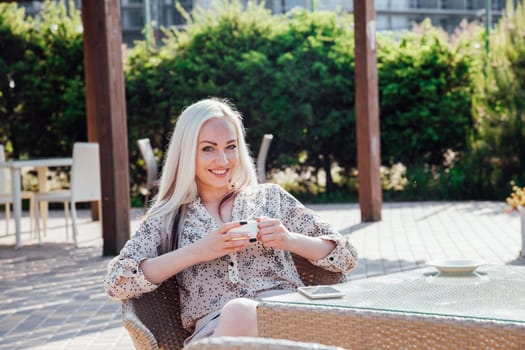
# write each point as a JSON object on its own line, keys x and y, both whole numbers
{"x": 141, "y": 336}
{"x": 312, "y": 275}
{"x": 154, "y": 318}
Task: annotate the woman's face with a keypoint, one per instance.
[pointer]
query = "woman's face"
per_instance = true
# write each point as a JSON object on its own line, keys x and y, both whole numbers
{"x": 217, "y": 155}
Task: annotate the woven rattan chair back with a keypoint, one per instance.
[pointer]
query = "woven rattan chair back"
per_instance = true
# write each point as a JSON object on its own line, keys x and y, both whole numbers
{"x": 150, "y": 188}
{"x": 153, "y": 320}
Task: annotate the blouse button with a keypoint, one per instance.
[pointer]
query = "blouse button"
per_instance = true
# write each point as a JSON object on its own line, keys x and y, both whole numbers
{"x": 331, "y": 258}
{"x": 231, "y": 263}
{"x": 134, "y": 271}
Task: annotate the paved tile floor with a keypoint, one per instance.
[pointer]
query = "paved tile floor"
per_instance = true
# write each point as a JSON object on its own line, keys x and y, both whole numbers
{"x": 51, "y": 295}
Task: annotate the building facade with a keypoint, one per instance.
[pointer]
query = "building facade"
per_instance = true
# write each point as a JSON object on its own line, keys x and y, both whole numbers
{"x": 391, "y": 15}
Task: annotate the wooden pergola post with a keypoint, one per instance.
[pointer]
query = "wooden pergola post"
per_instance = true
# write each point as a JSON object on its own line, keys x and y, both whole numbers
{"x": 367, "y": 111}
{"x": 106, "y": 115}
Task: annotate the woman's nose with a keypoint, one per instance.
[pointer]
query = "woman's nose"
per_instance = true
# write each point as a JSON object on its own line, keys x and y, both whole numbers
{"x": 222, "y": 158}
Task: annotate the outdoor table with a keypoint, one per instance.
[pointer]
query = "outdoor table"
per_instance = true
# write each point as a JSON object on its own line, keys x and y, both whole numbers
{"x": 417, "y": 309}
{"x": 16, "y": 170}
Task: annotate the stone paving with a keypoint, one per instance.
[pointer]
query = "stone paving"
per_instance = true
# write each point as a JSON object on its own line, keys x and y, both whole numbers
{"x": 51, "y": 295}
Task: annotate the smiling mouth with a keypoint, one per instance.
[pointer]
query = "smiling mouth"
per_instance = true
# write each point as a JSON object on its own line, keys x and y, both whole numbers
{"x": 220, "y": 172}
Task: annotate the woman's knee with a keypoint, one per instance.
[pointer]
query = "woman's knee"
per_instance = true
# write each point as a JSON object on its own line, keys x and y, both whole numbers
{"x": 240, "y": 310}
{"x": 238, "y": 317}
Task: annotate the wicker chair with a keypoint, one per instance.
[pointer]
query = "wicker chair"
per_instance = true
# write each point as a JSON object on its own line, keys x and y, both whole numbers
{"x": 153, "y": 320}
{"x": 150, "y": 188}
{"x": 255, "y": 343}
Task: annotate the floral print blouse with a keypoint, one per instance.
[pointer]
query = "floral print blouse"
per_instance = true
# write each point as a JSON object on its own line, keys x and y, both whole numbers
{"x": 207, "y": 286}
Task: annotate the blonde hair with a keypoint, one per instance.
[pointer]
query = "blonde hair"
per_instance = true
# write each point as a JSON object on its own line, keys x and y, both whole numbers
{"x": 178, "y": 185}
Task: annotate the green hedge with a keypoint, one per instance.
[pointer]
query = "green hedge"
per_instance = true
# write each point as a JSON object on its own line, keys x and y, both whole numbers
{"x": 42, "y": 103}
{"x": 497, "y": 153}
{"x": 292, "y": 76}
{"x": 425, "y": 96}
{"x": 289, "y": 76}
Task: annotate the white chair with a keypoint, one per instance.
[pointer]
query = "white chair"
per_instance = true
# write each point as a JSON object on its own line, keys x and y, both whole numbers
{"x": 84, "y": 186}
{"x": 261, "y": 157}
{"x": 150, "y": 188}
{"x": 6, "y": 194}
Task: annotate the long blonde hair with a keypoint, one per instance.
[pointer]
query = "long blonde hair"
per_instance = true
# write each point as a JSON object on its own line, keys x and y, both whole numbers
{"x": 178, "y": 185}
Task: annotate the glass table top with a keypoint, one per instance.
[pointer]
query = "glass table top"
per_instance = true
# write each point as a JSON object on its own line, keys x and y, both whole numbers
{"x": 490, "y": 292}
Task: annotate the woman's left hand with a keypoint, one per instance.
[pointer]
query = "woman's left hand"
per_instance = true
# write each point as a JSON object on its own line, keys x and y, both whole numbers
{"x": 272, "y": 233}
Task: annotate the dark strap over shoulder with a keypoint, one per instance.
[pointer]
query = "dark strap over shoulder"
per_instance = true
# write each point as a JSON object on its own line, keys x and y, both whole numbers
{"x": 174, "y": 240}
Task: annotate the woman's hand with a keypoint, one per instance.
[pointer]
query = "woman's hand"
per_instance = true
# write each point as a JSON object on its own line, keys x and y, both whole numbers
{"x": 272, "y": 233}
{"x": 221, "y": 242}
{"x": 218, "y": 243}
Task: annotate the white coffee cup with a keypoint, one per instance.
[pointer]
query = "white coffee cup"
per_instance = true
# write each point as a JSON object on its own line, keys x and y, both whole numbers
{"x": 250, "y": 228}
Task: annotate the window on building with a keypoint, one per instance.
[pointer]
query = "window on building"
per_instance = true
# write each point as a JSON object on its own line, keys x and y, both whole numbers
{"x": 133, "y": 18}
{"x": 415, "y": 4}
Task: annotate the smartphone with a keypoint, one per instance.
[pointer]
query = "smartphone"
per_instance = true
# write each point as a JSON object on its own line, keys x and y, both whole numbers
{"x": 321, "y": 292}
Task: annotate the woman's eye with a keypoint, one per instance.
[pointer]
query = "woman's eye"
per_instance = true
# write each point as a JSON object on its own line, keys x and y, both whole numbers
{"x": 207, "y": 149}
{"x": 232, "y": 147}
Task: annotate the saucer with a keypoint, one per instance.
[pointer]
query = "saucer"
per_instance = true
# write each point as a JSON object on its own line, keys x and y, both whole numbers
{"x": 456, "y": 265}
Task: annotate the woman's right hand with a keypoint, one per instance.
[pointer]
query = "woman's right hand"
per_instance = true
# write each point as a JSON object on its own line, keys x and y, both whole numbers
{"x": 214, "y": 245}
{"x": 221, "y": 242}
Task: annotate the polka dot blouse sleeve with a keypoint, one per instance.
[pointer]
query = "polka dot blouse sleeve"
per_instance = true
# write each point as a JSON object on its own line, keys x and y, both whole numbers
{"x": 298, "y": 218}
{"x": 124, "y": 278}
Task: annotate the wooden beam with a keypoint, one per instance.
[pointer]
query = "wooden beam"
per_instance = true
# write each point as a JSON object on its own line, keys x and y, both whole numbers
{"x": 367, "y": 111}
{"x": 106, "y": 114}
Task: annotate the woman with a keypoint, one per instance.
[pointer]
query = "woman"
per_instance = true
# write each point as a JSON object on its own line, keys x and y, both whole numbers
{"x": 207, "y": 188}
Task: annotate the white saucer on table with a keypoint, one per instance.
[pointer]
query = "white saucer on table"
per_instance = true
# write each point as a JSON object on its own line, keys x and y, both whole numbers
{"x": 456, "y": 265}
